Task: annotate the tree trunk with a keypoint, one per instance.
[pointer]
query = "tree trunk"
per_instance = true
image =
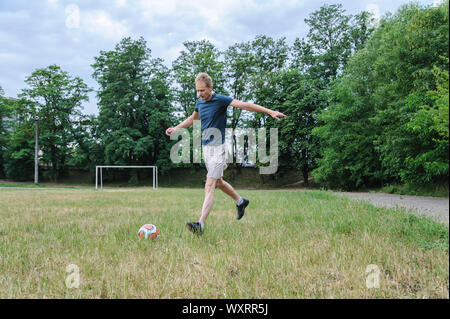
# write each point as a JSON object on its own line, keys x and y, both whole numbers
{"x": 55, "y": 174}
{"x": 305, "y": 174}
{"x": 261, "y": 179}
{"x": 36, "y": 155}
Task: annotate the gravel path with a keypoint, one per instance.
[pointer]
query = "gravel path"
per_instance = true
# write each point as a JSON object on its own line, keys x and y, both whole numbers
{"x": 434, "y": 207}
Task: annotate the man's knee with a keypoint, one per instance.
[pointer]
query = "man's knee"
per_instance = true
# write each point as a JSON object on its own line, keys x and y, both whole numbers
{"x": 210, "y": 184}
{"x": 219, "y": 183}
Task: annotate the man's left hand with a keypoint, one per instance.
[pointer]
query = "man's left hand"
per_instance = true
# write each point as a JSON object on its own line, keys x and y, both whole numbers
{"x": 276, "y": 115}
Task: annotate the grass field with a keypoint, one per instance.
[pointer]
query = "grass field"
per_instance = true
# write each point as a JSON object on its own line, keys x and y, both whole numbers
{"x": 290, "y": 244}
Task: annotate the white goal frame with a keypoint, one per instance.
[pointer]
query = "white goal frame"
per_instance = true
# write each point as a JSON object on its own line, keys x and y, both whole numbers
{"x": 101, "y": 167}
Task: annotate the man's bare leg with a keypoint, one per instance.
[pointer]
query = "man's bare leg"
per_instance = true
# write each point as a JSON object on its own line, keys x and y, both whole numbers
{"x": 210, "y": 186}
{"x": 241, "y": 203}
{"x": 227, "y": 189}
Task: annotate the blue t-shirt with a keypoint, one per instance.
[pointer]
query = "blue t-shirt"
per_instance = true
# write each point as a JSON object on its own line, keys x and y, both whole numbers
{"x": 213, "y": 116}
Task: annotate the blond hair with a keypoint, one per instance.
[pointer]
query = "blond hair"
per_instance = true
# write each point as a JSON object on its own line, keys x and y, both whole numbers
{"x": 205, "y": 78}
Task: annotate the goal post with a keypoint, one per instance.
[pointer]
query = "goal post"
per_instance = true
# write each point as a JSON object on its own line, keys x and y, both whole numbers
{"x": 99, "y": 173}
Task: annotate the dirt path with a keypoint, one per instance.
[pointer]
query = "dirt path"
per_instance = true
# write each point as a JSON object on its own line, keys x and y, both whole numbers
{"x": 436, "y": 208}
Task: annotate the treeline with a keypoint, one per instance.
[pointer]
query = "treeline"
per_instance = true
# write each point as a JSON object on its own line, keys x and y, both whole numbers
{"x": 367, "y": 101}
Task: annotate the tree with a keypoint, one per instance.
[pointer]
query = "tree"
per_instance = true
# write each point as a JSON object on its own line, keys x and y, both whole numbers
{"x": 5, "y": 126}
{"x": 88, "y": 150}
{"x": 239, "y": 64}
{"x": 317, "y": 61}
{"x": 332, "y": 38}
{"x": 297, "y": 96}
{"x": 198, "y": 56}
{"x": 18, "y": 155}
{"x": 134, "y": 105}
{"x": 329, "y": 39}
{"x": 361, "y": 28}
{"x": 410, "y": 45}
{"x": 270, "y": 57}
{"x": 54, "y": 98}
{"x": 430, "y": 123}
{"x": 384, "y": 122}
{"x": 348, "y": 158}
{"x": 239, "y": 68}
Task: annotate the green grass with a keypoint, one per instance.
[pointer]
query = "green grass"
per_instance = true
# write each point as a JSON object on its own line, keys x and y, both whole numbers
{"x": 13, "y": 185}
{"x": 19, "y": 185}
{"x": 290, "y": 244}
{"x": 441, "y": 190}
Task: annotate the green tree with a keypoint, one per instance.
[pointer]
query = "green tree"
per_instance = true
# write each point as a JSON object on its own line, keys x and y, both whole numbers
{"x": 430, "y": 123}
{"x": 328, "y": 42}
{"x": 332, "y": 38}
{"x": 270, "y": 57}
{"x": 382, "y": 124}
{"x": 54, "y": 98}
{"x": 18, "y": 155}
{"x": 88, "y": 150}
{"x": 440, "y": 112}
{"x": 134, "y": 105}
{"x": 410, "y": 45}
{"x": 198, "y": 56}
{"x": 239, "y": 63}
{"x": 298, "y": 97}
{"x": 317, "y": 61}
{"x": 360, "y": 30}
{"x": 239, "y": 68}
{"x": 348, "y": 158}
{"x": 5, "y": 119}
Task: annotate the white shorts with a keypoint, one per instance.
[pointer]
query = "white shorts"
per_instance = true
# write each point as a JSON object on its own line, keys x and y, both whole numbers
{"x": 215, "y": 160}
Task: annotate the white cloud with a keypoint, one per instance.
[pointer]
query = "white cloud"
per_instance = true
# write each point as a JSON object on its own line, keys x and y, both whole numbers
{"x": 14, "y": 18}
{"x": 121, "y": 3}
{"x": 214, "y": 15}
{"x": 53, "y": 2}
{"x": 374, "y": 9}
{"x": 100, "y": 23}
{"x": 72, "y": 16}
{"x": 38, "y": 33}
{"x": 282, "y": 3}
{"x": 157, "y": 7}
{"x": 174, "y": 52}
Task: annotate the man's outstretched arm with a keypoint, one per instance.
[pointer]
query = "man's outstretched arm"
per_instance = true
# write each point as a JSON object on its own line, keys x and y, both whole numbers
{"x": 186, "y": 123}
{"x": 256, "y": 108}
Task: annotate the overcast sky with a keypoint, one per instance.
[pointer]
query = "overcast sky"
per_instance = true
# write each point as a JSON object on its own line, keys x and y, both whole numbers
{"x": 37, "y": 33}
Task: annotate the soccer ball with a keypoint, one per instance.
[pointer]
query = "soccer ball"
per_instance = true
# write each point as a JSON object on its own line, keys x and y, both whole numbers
{"x": 148, "y": 231}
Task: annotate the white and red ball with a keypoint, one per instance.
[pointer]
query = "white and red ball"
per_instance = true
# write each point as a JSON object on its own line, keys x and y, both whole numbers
{"x": 148, "y": 231}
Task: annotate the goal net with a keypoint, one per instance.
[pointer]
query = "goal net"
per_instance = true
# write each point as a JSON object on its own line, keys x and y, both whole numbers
{"x": 99, "y": 174}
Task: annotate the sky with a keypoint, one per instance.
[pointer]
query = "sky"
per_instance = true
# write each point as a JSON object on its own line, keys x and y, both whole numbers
{"x": 37, "y": 33}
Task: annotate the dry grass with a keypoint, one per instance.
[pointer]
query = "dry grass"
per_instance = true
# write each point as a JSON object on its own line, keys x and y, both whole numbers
{"x": 289, "y": 245}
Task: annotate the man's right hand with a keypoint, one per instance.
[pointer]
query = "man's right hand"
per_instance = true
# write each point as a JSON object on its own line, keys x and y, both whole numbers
{"x": 170, "y": 130}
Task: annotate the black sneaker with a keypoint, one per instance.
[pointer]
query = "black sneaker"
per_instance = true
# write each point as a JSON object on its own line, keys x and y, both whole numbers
{"x": 196, "y": 228}
{"x": 241, "y": 208}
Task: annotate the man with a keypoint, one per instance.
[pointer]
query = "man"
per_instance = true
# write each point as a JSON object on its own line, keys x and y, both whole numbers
{"x": 211, "y": 109}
